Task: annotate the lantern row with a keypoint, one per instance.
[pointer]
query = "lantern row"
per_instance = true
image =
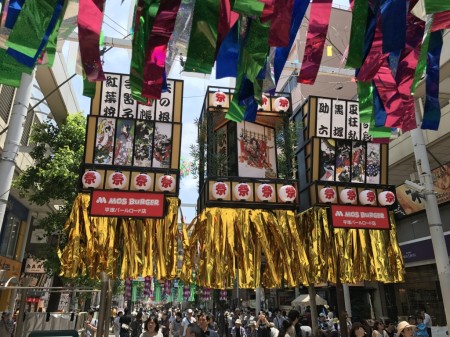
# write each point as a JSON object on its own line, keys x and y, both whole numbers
{"x": 349, "y": 196}
{"x": 281, "y": 104}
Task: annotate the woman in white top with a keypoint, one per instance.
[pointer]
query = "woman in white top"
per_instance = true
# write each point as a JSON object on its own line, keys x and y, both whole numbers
{"x": 151, "y": 327}
{"x": 378, "y": 329}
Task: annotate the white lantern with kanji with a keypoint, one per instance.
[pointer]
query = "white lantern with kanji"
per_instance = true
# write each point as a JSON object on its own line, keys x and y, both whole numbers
{"x": 265, "y": 192}
{"x": 220, "y": 190}
{"x": 91, "y": 179}
{"x": 348, "y": 196}
{"x": 327, "y": 195}
{"x": 166, "y": 183}
{"x": 242, "y": 191}
{"x": 142, "y": 182}
{"x": 287, "y": 193}
{"x": 367, "y": 197}
{"x": 281, "y": 104}
{"x": 117, "y": 180}
{"x": 386, "y": 198}
{"x": 219, "y": 99}
{"x": 265, "y": 101}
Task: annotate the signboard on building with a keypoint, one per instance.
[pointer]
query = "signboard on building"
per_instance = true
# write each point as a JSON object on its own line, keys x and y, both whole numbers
{"x": 34, "y": 266}
{"x": 360, "y": 217}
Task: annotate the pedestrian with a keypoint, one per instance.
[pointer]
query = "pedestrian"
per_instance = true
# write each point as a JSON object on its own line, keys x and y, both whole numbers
{"x": 273, "y": 330}
{"x": 6, "y": 325}
{"x": 404, "y": 329}
{"x": 357, "y": 330}
{"x": 203, "y": 323}
{"x": 151, "y": 327}
{"x": 91, "y": 324}
{"x": 177, "y": 328}
{"x": 125, "y": 322}
{"x": 251, "y": 329}
{"x": 136, "y": 325}
{"x": 238, "y": 330}
{"x": 378, "y": 329}
{"x": 389, "y": 327}
{"x": 421, "y": 328}
{"x": 117, "y": 324}
{"x": 187, "y": 320}
{"x": 426, "y": 320}
{"x": 263, "y": 325}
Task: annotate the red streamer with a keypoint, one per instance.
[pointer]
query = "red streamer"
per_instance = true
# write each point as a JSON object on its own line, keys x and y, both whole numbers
{"x": 441, "y": 21}
{"x": 315, "y": 42}
{"x": 281, "y": 23}
{"x": 155, "y": 57}
{"x": 90, "y": 18}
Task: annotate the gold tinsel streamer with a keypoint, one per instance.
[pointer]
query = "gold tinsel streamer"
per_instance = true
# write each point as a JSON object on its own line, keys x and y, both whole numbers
{"x": 121, "y": 247}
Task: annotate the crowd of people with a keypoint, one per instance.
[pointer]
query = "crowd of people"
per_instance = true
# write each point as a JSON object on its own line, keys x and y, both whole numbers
{"x": 239, "y": 323}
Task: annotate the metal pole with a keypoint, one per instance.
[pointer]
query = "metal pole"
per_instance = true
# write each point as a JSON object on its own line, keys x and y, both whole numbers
{"x": 348, "y": 306}
{"x": 108, "y": 309}
{"x": 12, "y": 140}
{"x": 102, "y": 307}
{"x": 433, "y": 216}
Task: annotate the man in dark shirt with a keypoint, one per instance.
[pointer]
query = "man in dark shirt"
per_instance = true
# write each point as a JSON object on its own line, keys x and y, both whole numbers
{"x": 125, "y": 322}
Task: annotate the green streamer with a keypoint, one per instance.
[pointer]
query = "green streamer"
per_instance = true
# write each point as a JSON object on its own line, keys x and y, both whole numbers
{"x": 379, "y": 131}
{"x": 203, "y": 39}
{"x": 53, "y": 39}
{"x": 254, "y": 56}
{"x": 180, "y": 292}
{"x": 359, "y": 21}
{"x": 141, "y": 36}
{"x": 134, "y": 291}
{"x": 435, "y": 6}
{"x": 31, "y": 26}
{"x": 422, "y": 63}
{"x": 89, "y": 88}
{"x": 248, "y": 7}
{"x": 365, "y": 99}
{"x": 157, "y": 292}
{"x": 11, "y": 70}
{"x": 192, "y": 295}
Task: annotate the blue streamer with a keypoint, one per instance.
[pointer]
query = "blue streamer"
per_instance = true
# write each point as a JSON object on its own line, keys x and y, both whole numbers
{"x": 31, "y": 61}
{"x": 393, "y": 24}
{"x": 14, "y": 9}
{"x": 228, "y": 55}
{"x": 432, "y": 110}
{"x": 282, "y": 53}
{"x": 379, "y": 113}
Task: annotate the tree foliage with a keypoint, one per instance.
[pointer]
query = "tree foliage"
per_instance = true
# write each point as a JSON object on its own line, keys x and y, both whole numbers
{"x": 57, "y": 154}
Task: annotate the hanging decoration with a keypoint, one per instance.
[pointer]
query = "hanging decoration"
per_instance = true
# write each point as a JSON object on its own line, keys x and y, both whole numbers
{"x": 91, "y": 179}
{"x": 142, "y": 182}
{"x": 127, "y": 290}
{"x": 223, "y": 295}
{"x": 147, "y": 286}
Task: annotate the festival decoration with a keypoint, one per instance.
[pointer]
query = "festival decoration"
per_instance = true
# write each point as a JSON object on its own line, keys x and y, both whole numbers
{"x": 220, "y": 99}
{"x": 265, "y": 106}
{"x": 166, "y": 183}
{"x": 147, "y": 286}
{"x": 282, "y": 104}
{"x": 220, "y": 190}
{"x": 265, "y": 192}
{"x": 142, "y": 182}
{"x": 242, "y": 191}
{"x": 117, "y": 180}
{"x": 367, "y": 197}
{"x": 386, "y": 198}
{"x": 127, "y": 290}
{"x": 348, "y": 196}
{"x": 287, "y": 193}
{"x": 327, "y": 195}
{"x": 91, "y": 179}
{"x": 223, "y": 295}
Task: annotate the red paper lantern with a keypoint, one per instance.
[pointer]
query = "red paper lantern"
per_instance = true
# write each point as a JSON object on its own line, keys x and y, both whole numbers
{"x": 142, "y": 182}
{"x": 327, "y": 195}
{"x": 386, "y": 198}
{"x": 242, "y": 191}
{"x": 220, "y": 190}
{"x": 287, "y": 193}
{"x": 117, "y": 180}
{"x": 265, "y": 192}
{"x": 265, "y": 104}
{"x": 219, "y": 99}
{"x": 348, "y": 196}
{"x": 282, "y": 104}
{"x": 367, "y": 197}
{"x": 91, "y": 179}
{"x": 166, "y": 183}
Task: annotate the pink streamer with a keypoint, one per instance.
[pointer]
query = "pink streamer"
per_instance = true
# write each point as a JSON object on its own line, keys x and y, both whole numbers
{"x": 281, "y": 23}
{"x": 315, "y": 42}
{"x": 155, "y": 57}
{"x": 90, "y": 18}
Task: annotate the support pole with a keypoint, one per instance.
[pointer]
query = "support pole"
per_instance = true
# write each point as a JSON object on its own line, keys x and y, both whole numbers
{"x": 348, "y": 306}
{"x": 257, "y": 300}
{"x": 102, "y": 308}
{"x": 433, "y": 217}
{"x": 108, "y": 309}
{"x": 12, "y": 141}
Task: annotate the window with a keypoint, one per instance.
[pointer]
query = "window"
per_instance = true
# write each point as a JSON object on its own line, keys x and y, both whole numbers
{"x": 27, "y": 129}
{"x": 6, "y": 100}
{"x": 9, "y": 237}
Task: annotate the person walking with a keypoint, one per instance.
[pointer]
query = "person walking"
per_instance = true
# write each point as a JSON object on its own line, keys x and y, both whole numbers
{"x": 426, "y": 320}
{"x": 151, "y": 328}
{"x": 116, "y": 324}
{"x": 125, "y": 322}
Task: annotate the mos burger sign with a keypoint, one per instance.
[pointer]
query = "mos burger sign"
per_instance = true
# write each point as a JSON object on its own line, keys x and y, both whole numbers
{"x": 360, "y": 217}
{"x": 127, "y": 204}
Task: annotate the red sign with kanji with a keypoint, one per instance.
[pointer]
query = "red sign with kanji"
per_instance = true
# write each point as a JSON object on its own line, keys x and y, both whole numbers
{"x": 360, "y": 217}
{"x": 127, "y": 204}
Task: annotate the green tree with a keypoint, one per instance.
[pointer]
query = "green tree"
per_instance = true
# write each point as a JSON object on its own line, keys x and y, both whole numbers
{"x": 57, "y": 154}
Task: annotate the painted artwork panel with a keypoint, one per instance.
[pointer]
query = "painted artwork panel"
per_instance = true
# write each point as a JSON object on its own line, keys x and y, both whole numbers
{"x": 109, "y": 104}
{"x": 373, "y": 170}
{"x": 323, "y": 118}
{"x": 127, "y": 107}
{"x": 143, "y": 144}
{"x": 256, "y": 151}
{"x": 162, "y": 146}
{"x": 123, "y": 151}
{"x": 339, "y": 112}
{"x": 343, "y": 159}
{"x": 104, "y": 141}
{"x": 358, "y": 162}
{"x": 327, "y": 159}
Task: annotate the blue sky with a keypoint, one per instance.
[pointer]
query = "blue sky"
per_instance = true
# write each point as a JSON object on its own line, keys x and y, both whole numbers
{"x": 118, "y": 60}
